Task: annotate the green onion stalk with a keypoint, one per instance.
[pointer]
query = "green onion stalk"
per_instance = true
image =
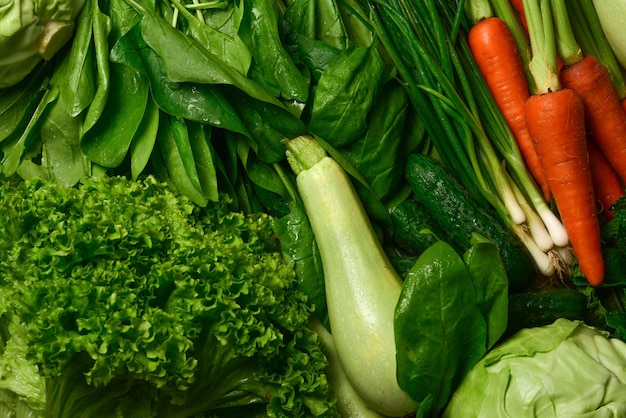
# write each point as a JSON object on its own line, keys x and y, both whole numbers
{"x": 426, "y": 42}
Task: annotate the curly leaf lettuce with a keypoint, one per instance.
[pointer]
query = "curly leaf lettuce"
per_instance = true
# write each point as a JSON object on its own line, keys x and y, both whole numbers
{"x": 135, "y": 299}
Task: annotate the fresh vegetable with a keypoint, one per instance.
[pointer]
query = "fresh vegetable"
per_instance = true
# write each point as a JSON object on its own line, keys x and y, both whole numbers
{"x": 415, "y": 228}
{"x": 349, "y": 402}
{"x": 462, "y": 218}
{"x": 31, "y": 32}
{"x": 607, "y": 186}
{"x": 540, "y": 307}
{"x": 498, "y": 58}
{"x": 556, "y": 121}
{"x": 130, "y": 300}
{"x": 611, "y": 14}
{"x": 362, "y": 288}
{"x": 605, "y": 118}
{"x": 452, "y": 309}
{"x": 426, "y": 41}
{"x": 586, "y": 375}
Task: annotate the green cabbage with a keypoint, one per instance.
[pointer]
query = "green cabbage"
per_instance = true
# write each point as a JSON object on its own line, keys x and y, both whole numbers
{"x": 566, "y": 369}
{"x": 32, "y": 30}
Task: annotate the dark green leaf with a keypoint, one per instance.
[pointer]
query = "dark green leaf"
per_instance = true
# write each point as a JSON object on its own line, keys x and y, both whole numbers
{"x": 173, "y": 162}
{"x": 377, "y": 154}
{"x": 491, "y": 287}
{"x": 272, "y": 63}
{"x": 17, "y": 103}
{"x": 108, "y": 141}
{"x": 186, "y": 61}
{"x": 181, "y": 139}
{"x": 227, "y": 46}
{"x": 14, "y": 150}
{"x": 101, "y": 29}
{"x": 345, "y": 94}
{"x": 440, "y": 333}
{"x": 200, "y": 140}
{"x": 299, "y": 246}
{"x": 145, "y": 137}
{"x": 61, "y": 153}
{"x": 268, "y": 125}
{"x": 78, "y": 88}
{"x": 198, "y": 102}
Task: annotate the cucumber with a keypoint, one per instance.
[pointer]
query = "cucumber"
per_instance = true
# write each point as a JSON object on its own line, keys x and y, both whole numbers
{"x": 544, "y": 306}
{"x": 414, "y": 228}
{"x": 461, "y": 216}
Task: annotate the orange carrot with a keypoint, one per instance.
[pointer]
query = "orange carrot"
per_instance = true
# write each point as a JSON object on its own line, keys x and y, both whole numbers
{"x": 605, "y": 117}
{"x": 556, "y": 122}
{"x": 607, "y": 186}
{"x": 497, "y": 57}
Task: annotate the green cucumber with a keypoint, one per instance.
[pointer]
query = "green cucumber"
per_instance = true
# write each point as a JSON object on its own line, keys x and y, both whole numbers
{"x": 544, "y": 306}
{"x": 461, "y": 217}
{"x": 414, "y": 228}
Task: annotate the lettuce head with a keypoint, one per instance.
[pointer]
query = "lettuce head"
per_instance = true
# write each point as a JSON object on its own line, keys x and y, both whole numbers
{"x": 31, "y": 31}
{"x": 566, "y": 369}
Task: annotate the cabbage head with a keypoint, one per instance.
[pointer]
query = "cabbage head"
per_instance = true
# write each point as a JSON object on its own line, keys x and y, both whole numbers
{"x": 32, "y": 30}
{"x": 565, "y": 369}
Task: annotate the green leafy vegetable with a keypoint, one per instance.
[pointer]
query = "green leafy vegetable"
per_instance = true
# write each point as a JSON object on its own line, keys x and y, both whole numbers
{"x": 32, "y": 31}
{"x": 563, "y": 369}
{"x": 127, "y": 297}
{"x": 448, "y": 315}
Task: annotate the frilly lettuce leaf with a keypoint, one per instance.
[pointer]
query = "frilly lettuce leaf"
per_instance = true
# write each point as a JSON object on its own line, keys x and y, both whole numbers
{"x": 137, "y": 298}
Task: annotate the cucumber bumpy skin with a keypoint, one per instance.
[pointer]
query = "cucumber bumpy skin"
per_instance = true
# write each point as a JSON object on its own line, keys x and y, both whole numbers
{"x": 362, "y": 288}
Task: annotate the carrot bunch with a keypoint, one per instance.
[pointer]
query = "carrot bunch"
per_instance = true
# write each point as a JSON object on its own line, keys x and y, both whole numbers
{"x": 568, "y": 119}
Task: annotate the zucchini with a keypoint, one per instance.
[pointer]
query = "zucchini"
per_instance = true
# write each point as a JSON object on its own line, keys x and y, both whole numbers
{"x": 362, "y": 287}
{"x": 461, "y": 217}
{"x": 544, "y": 306}
{"x": 414, "y": 228}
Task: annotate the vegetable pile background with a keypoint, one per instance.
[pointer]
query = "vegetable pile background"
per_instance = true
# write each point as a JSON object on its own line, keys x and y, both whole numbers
{"x": 160, "y": 253}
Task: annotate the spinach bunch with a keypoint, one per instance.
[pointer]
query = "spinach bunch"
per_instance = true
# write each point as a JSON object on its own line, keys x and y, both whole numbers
{"x": 203, "y": 95}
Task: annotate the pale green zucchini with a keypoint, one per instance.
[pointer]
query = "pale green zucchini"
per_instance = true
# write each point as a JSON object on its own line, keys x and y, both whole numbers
{"x": 362, "y": 288}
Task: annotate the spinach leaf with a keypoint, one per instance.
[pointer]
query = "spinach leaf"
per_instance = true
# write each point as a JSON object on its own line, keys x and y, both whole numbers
{"x": 18, "y": 102}
{"x": 186, "y": 61}
{"x": 197, "y": 102}
{"x": 299, "y": 247}
{"x": 227, "y": 46}
{"x": 108, "y": 141}
{"x": 275, "y": 68}
{"x": 14, "y": 150}
{"x": 78, "y": 90}
{"x": 318, "y": 20}
{"x": 377, "y": 155}
{"x": 180, "y": 133}
{"x": 174, "y": 160}
{"x": 143, "y": 141}
{"x": 267, "y": 124}
{"x": 61, "y": 153}
{"x": 491, "y": 287}
{"x": 101, "y": 26}
{"x": 200, "y": 141}
{"x": 345, "y": 94}
{"x": 440, "y": 332}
